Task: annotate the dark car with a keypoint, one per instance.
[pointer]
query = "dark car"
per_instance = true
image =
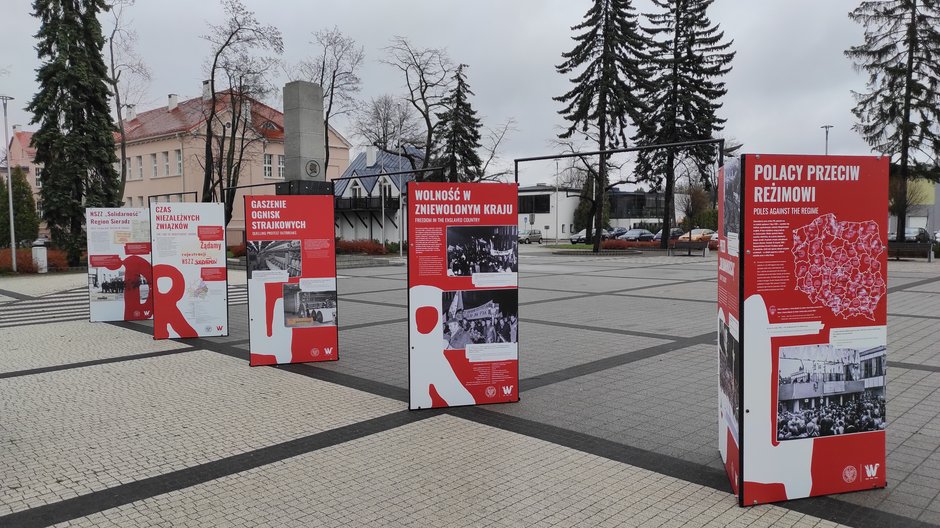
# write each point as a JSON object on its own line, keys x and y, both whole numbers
{"x": 615, "y": 232}
{"x": 674, "y": 234}
{"x": 912, "y": 234}
{"x": 634, "y": 235}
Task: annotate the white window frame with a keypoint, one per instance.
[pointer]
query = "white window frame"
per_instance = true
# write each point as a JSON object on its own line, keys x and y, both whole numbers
{"x": 179, "y": 162}
{"x": 268, "y": 160}
{"x": 166, "y": 163}
{"x": 153, "y": 159}
{"x": 280, "y": 166}
{"x": 140, "y": 167}
{"x": 39, "y": 178}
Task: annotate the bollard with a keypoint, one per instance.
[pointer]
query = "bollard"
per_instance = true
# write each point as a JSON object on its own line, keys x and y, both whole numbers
{"x": 40, "y": 256}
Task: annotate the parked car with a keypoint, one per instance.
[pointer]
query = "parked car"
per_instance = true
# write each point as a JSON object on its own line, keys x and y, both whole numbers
{"x": 697, "y": 235}
{"x": 674, "y": 234}
{"x": 532, "y": 235}
{"x": 641, "y": 235}
{"x": 912, "y": 234}
{"x": 581, "y": 236}
{"x": 615, "y": 232}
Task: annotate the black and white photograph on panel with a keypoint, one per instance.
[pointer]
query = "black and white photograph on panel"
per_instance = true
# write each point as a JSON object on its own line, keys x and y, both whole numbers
{"x": 732, "y": 203}
{"x": 472, "y": 317}
{"x": 274, "y": 255}
{"x": 108, "y": 285}
{"x": 823, "y": 391}
{"x": 728, "y": 351}
{"x": 482, "y": 249}
{"x": 306, "y": 309}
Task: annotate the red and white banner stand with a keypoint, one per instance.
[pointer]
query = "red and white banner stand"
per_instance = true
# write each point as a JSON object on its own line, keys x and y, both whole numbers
{"x": 812, "y": 273}
{"x": 118, "y": 264}
{"x": 463, "y": 298}
{"x": 291, "y": 263}
{"x": 190, "y": 286}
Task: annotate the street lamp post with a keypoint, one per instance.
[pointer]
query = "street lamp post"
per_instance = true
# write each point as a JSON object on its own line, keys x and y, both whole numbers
{"x": 401, "y": 214}
{"x": 557, "y": 236}
{"x": 6, "y": 136}
{"x": 827, "y": 127}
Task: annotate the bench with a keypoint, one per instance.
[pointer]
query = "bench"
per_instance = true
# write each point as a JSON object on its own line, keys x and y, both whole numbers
{"x": 900, "y": 250}
{"x": 688, "y": 247}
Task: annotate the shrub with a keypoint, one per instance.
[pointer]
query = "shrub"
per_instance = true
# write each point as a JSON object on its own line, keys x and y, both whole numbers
{"x": 616, "y": 244}
{"x": 368, "y": 247}
{"x": 237, "y": 251}
{"x": 57, "y": 259}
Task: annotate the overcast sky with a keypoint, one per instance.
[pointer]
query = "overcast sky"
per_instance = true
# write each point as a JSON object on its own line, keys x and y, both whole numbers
{"x": 789, "y": 76}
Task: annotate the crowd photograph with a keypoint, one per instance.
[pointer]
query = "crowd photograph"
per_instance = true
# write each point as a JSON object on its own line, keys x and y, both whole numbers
{"x": 274, "y": 255}
{"x": 482, "y": 249}
{"x": 823, "y": 390}
{"x": 480, "y": 317}
{"x": 105, "y": 284}
{"x": 308, "y": 308}
{"x": 728, "y": 364}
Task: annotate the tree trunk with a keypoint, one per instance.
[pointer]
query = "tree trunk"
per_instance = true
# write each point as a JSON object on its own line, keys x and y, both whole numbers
{"x": 905, "y": 125}
{"x": 669, "y": 200}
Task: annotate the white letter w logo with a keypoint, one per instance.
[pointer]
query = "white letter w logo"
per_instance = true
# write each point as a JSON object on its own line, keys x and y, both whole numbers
{"x": 507, "y": 389}
{"x": 871, "y": 470}
{"x": 328, "y": 350}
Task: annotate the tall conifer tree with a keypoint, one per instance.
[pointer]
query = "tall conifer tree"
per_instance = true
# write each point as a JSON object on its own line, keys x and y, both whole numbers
{"x": 75, "y": 141}
{"x": 899, "y": 115}
{"x": 609, "y": 56}
{"x": 459, "y": 133}
{"x": 689, "y": 55}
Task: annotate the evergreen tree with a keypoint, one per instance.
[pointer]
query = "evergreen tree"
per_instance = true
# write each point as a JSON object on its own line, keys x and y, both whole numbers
{"x": 74, "y": 142}
{"x": 25, "y": 221}
{"x": 690, "y": 56}
{"x": 459, "y": 134}
{"x": 609, "y": 53}
{"x": 899, "y": 115}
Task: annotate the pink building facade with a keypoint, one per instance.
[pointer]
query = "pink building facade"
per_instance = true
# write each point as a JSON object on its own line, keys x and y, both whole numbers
{"x": 165, "y": 154}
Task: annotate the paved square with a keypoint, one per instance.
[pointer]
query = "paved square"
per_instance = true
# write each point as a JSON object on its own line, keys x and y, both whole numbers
{"x": 102, "y": 426}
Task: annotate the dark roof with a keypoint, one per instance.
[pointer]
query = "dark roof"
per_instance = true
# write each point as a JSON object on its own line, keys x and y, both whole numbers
{"x": 368, "y": 175}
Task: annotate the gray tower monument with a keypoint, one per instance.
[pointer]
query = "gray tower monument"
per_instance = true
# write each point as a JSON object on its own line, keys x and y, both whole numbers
{"x": 304, "y": 134}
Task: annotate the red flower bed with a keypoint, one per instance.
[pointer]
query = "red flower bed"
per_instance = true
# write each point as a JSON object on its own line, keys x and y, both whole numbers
{"x": 57, "y": 260}
{"x": 368, "y": 247}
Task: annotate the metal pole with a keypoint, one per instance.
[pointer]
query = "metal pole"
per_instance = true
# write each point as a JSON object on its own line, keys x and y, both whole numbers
{"x": 401, "y": 214}
{"x": 557, "y": 205}
{"x": 6, "y": 136}
{"x": 827, "y": 127}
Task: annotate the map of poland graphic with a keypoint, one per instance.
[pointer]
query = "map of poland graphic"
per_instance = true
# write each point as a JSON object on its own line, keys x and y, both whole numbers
{"x": 838, "y": 265}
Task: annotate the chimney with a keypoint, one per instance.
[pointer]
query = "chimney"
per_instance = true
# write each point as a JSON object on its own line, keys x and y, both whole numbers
{"x": 16, "y": 128}
{"x": 131, "y": 112}
{"x": 371, "y": 153}
{"x": 206, "y": 91}
{"x": 171, "y": 102}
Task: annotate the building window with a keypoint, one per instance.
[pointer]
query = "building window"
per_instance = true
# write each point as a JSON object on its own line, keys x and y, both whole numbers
{"x": 267, "y": 165}
{"x": 571, "y": 228}
{"x": 357, "y": 190}
{"x": 562, "y": 228}
{"x": 166, "y": 163}
{"x": 38, "y": 179}
{"x": 140, "y": 167}
{"x": 280, "y": 166}
{"x": 153, "y": 161}
{"x": 140, "y": 199}
{"x": 539, "y": 203}
{"x": 179, "y": 161}
{"x": 38, "y": 208}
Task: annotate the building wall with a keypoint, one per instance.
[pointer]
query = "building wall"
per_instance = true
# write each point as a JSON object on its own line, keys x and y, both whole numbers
{"x": 552, "y": 226}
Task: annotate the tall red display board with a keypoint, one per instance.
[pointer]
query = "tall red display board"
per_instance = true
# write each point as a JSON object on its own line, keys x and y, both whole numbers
{"x": 462, "y": 294}
{"x": 802, "y": 343}
{"x": 291, "y": 263}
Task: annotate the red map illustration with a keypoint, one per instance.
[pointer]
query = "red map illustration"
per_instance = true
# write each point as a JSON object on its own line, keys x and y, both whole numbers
{"x": 838, "y": 265}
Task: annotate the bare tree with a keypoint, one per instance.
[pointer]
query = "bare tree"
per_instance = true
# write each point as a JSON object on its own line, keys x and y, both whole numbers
{"x": 427, "y": 74}
{"x": 129, "y": 74}
{"x": 384, "y": 119}
{"x": 335, "y": 69}
{"x": 238, "y": 36}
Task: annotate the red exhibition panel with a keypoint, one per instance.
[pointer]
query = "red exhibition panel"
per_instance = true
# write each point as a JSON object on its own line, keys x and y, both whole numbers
{"x": 190, "y": 286}
{"x": 119, "y": 272}
{"x": 729, "y": 292}
{"x": 291, "y": 262}
{"x": 463, "y": 299}
{"x": 814, "y": 330}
